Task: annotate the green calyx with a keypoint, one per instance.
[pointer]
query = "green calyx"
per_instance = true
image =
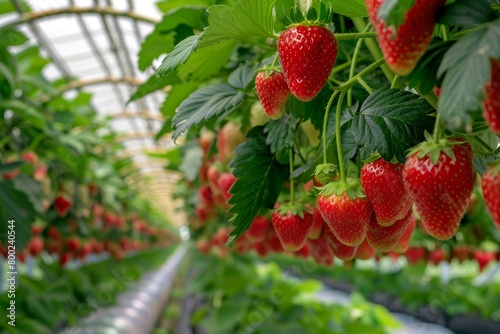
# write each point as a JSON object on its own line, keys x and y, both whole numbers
{"x": 325, "y": 173}
{"x": 433, "y": 149}
{"x": 295, "y": 209}
{"x": 312, "y": 17}
{"x": 352, "y": 186}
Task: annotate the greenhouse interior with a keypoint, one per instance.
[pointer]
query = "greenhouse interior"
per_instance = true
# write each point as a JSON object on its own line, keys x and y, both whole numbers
{"x": 250, "y": 166}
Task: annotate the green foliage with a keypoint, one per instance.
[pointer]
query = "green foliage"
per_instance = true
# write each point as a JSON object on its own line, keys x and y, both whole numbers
{"x": 468, "y": 13}
{"x": 259, "y": 181}
{"x": 280, "y": 136}
{"x": 467, "y": 68}
{"x": 390, "y": 122}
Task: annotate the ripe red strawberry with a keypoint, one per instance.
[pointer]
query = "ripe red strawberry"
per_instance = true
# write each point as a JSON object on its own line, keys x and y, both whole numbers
{"x": 36, "y": 229}
{"x": 30, "y": 157}
{"x": 365, "y": 251}
{"x": 35, "y": 246}
{"x": 261, "y": 248}
{"x": 461, "y": 252}
{"x": 273, "y": 92}
{"x": 347, "y": 218}
{"x": 205, "y": 196}
{"x": 340, "y": 250}
{"x": 403, "y": 47}
{"x": 384, "y": 187}
{"x": 436, "y": 256}
{"x": 318, "y": 223}
{"x": 258, "y": 230}
{"x": 62, "y": 205}
{"x": 273, "y": 242}
{"x": 307, "y": 55}
{"x": 483, "y": 258}
{"x": 304, "y": 252}
{"x": 53, "y": 233}
{"x": 491, "y": 192}
{"x": 291, "y": 228}
{"x": 72, "y": 244}
{"x": 321, "y": 252}
{"x": 415, "y": 254}
{"x": 440, "y": 180}
{"x": 403, "y": 243}
{"x": 491, "y": 102}
{"x": 385, "y": 238}
{"x": 65, "y": 258}
{"x": 225, "y": 182}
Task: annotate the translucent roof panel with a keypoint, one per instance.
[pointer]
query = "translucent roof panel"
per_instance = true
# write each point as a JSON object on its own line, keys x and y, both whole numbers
{"x": 98, "y": 53}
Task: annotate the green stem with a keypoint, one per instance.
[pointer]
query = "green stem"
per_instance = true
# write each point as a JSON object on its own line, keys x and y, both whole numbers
{"x": 292, "y": 182}
{"x": 338, "y": 137}
{"x": 445, "y": 32}
{"x": 351, "y": 82}
{"x": 437, "y": 128}
{"x": 395, "y": 81}
{"x": 365, "y": 86}
{"x": 355, "y": 35}
{"x": 353, "y": 68}
{"x": 343, "y": 66}
{"x": 274, "y": 60}
{"x": 325, "y": 124}
{"x": 373, "y": 47}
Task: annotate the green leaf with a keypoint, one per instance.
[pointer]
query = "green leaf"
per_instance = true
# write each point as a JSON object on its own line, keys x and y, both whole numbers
{"x": 202, "y": 64}
{"x": 7, "y": 6}
{"x": 467, "y": 13}
{"x": 153, "y": 84}
{"x": 168, "y": 5}
{"x": 154, "y": 45}
{"x": 174, "y": 98}
{"x": 191, "y": 162}
{"x": 16, "y": 205}
{"x": 26, "y": 184}
{"x": 242, "y": 76}
{"x": 204, "y": 104}
{"x": 393, "y": 11}
{"x": 259, "y": 180}
{"x": 179, "y": 55}
{"x": 11, "y": 166}
{"x": 351, "y": 8}
{"x": 467, "y": 68}
{"x": 26, "y": 112}
{"x": 390, "y": 122}
{"x": 12, "y": 37}
{"x": 280, "y": 136}
{"x": 226, "y": 317}
{"x": 423, "y": 77}
{"x": 239, "y": 19}
{"x": 162, "y": 39}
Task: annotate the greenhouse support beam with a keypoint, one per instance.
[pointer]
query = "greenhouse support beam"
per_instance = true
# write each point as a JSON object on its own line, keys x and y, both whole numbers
{"x": 34, "y": 16}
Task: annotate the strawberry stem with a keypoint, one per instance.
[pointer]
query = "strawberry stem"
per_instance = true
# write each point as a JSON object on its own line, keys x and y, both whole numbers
{"x": 353, "y": 67}
{"x": 351, "y": 82}
{"x": 325, "y": 124}
{"x": 274, "y": 60}
{"x": 355, "y": 35}
{"x": 338, "y": 137}
{"x": 437, "y": 128}
{"x": 292, "y": 182}
{"x": 365, "y": 85}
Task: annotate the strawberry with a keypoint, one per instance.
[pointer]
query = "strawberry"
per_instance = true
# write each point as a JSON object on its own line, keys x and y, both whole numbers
{"x": 292, "y": 228}
{"x": 403, "y": 243}
{"x": 225, "y": 182}
{"x": 321, "y": 251}
{"x": 318, "y": 223}
{"x": 340, "y": 250}
{"x": 65, "y": 258}
{"x": 62, "y": 205}
{"x": 384, "y": 187}
{"x": 30, "y": 157}
{"x": 273, "y": 92}
{"x": 436, "y": 256}
{"x": 258, "y": 230}
{"x": 261, "y": 248}
{"x": 72, "y": 244}
{"x": 40, "y": 172}
{"x": 415, "y": 254}
{"x": 307, "y": 54}
{"x": 483, "y": 258}
{"x": 365, "y": 251}
{"x": 36, "y": 229}
{"x": 324, "y": 174}
{"x": 273, "y": 242}
{"x": 403, "y": 47}
{"x": 203, "y": 246}
{"x": 491, "y": 192}
{"x": 385, "y": 238}
{"x": 346, "y": 216}
{"x": 440, "y": 180}
{"x": 491, "y": 102}
{"x": 460, "y": 252}
{"x": 35, "y": 246}
{"x": 304, "y": 252}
